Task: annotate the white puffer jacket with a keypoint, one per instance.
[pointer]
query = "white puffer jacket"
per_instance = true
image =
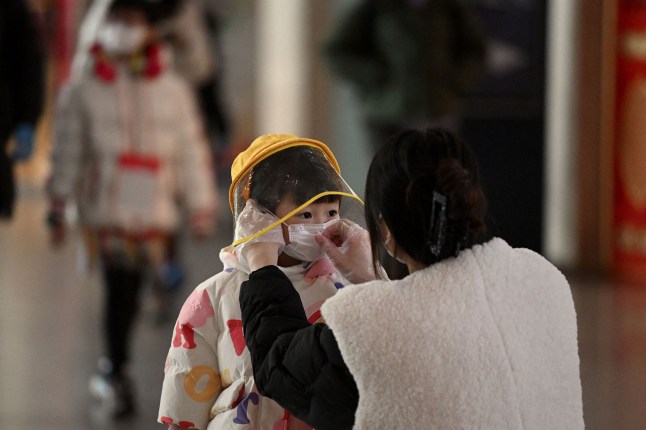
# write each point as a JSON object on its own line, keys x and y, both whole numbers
{"x": 97, "y": 121}
{"x": 209, "y": 381}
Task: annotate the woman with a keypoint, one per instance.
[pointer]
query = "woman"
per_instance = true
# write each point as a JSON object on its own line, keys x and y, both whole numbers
{"x": 479, "y": 335}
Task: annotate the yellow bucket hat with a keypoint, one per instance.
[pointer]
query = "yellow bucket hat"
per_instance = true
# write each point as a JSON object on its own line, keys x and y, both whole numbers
{"x": 267, "y": 145}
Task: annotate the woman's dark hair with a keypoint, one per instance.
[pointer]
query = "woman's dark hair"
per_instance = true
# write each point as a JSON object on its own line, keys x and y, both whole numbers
{"x": 298, "y": 172}
{"x": 425, "y": 184}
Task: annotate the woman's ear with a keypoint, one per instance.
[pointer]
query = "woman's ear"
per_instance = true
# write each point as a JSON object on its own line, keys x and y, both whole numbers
{"x": 384, "y": 231}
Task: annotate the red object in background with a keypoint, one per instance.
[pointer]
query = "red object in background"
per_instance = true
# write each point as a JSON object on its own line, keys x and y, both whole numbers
{"x": 63, "y": 38}
{"x": 629, "y": 159}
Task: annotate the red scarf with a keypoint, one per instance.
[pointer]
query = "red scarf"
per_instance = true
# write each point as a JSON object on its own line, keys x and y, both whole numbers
{"x": 147, "y": 64}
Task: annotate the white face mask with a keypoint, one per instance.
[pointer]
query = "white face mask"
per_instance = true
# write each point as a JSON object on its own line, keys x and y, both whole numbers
{"x": 302, "y": 245}
{"x": 120, "y": 39}
{"x": 386, "y": 242}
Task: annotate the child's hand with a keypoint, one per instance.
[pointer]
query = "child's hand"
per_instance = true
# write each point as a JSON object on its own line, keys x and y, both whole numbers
{"x": 253, "y": 219}
{"x": 264, "y": 249}
{"x": 57, "y": 228}
{"x": 261, "y": 254}
{"x": 56, "y": 222}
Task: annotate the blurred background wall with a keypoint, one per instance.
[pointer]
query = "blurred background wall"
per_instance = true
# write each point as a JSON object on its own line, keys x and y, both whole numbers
{"x": 540, "y": 117}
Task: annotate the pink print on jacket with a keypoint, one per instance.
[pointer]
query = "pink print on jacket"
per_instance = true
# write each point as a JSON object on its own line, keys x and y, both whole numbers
{"x": 196, "y": 310}
{"x": 182, "y": 424}
{"x": 322, "y": 267}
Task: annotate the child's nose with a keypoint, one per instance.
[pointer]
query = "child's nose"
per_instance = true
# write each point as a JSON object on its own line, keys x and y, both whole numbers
{"x": 321, "y": 219}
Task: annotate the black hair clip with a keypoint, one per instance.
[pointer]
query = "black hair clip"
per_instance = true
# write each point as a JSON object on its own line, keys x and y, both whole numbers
{"x": 437, "y": 227}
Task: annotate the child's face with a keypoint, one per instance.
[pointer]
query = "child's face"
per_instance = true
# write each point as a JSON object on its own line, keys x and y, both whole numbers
{"x": 130, "y": 29}
{"x": 128, "y": 16}
{"x": 316, "y": 213}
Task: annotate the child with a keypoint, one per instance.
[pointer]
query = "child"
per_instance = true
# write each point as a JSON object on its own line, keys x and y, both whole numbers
{"x": 128, "y": 145}
{"x": 209, "y": 382}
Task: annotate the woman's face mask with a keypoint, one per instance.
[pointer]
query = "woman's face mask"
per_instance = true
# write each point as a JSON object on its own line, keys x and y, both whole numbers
{"x": 386, "y": 243}
{"x": 386, "y": 232}
{"x": 118, "y": 38}
{"x": 302, "y": 245}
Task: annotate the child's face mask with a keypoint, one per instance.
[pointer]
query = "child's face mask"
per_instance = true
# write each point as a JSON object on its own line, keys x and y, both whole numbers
{"x": 302, "y": 245}
{"x": 119, "y": 38}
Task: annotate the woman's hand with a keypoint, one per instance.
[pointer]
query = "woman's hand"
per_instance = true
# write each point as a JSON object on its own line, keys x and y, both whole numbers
{"x": 348, "y": 246}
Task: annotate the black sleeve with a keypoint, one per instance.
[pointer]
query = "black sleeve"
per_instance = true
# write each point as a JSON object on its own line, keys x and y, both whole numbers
{"x": 296, "y": 363}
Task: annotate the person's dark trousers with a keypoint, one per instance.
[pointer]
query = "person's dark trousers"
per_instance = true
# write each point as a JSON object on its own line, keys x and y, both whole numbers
{"x": 7, "y": 185}
{"x": 121, "y": 308}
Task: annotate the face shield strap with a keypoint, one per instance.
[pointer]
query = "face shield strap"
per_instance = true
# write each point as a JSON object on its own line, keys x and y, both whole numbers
{"x": 294, "y": 212}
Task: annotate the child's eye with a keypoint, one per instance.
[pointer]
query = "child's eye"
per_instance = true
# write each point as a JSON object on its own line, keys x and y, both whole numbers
{"x": 306, "y": 215}
{"x": 333, "y": 213}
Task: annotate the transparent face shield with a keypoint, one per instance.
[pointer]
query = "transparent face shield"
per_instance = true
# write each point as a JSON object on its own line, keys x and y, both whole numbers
{"x": 297, "y": 185}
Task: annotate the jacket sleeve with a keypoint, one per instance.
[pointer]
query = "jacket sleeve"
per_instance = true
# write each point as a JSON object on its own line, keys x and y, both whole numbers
{"x": 297, "y": 364}
{"x": 70, "y": 131}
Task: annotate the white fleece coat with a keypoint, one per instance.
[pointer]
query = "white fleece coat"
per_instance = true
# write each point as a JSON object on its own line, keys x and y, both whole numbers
{"x": 486, "y": 340}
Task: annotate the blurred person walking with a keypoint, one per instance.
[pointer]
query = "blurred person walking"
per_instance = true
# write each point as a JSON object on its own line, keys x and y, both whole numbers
{"x": 194, "y": 36}
{"x": 21, "y": 93}
{"x": 128, "y": 149}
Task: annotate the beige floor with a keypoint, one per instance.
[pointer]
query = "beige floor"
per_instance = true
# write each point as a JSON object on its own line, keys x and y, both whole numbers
{"x": 49, "y": 335}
